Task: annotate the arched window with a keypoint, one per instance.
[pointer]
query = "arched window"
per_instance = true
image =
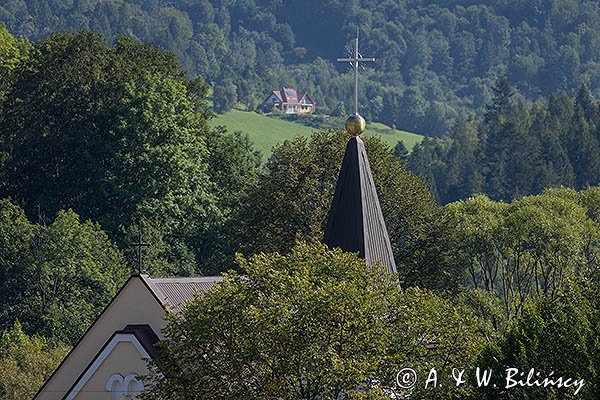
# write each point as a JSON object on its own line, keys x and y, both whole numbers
{"x": 115, "y": 386}
{"x": 127, "y": 387}
{"x": 133, "y": 385}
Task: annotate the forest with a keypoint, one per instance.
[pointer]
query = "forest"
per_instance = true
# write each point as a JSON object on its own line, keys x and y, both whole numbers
{"x": 515, "y": 149}
{"x": 437, "y": 61}
{"x": 494, "y": 225}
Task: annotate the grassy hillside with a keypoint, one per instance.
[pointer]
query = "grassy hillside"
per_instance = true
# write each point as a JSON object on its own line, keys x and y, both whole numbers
{"x": 393, "y": 136}
{"x": 266, "y": 132}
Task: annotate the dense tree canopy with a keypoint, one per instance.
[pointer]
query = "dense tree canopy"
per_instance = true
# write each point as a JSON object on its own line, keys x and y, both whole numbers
{"x": 528, "y": 249}
{"x": 79, "y": 118}
{"x": 119, "y": 134}
{"x": 436, "y": 60}
{"x": 552, "y": 336}
{"x": 12, "y": 53}
{"x": 55, "y": 278}
{"x": 25, "y": 363}
{"x": 517, "y": 149}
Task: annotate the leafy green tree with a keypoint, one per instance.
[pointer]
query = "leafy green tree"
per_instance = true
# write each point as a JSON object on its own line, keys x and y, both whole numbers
{"x": 25, "y": 363}
{"x": 16, "y": 236}
{"x": 156, "y": 168}
{"x": 478, "y": 227}
{"x": 547, "y": 236}
{"x": 66, "y": 121}
{"x": 225, "y": 97}
{"x": 159, "y": 170}
{"x": 590, "y": 199}
{"x": 119, "y": 141}
{"x": 434, "y": 332}
{"x": 76, "y": 271}
{"x": 292, "y": 199}
{"x": 313, "y": 324}
{"x": 523, "y": 250}
{"x": 234, "y": 167}
{"x": 13, "y": 52}
{"x": 552, "y": 337}
{"x": 56, "y": 278}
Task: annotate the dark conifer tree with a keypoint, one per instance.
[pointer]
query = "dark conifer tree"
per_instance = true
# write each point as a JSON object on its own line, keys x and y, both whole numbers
{"x": 421, "y": 161}
{"x": 524, "y": 165}
{"x": 584, "y": 150}
{"x": 586, "y": 103}
{"x": 549, "y": 126}
{"x": 400, "y": 151}
{"x": 501, "y": 104}
{"x": 495, "y": 131}
{"x": 464, "y": 176}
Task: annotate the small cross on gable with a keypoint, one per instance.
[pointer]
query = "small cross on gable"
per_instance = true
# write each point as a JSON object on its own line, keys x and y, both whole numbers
{"x": 139, "y": 245}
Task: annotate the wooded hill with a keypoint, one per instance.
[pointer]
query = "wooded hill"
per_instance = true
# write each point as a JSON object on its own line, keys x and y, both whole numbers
{"x": 437, "y": 60}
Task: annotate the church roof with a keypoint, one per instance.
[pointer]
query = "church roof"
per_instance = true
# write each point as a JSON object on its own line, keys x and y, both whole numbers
{"x": 355, "y": 223}
{"x": 174, "y": 292}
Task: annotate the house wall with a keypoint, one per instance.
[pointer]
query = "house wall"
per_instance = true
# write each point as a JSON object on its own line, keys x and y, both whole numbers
{"x": 298, "y": 109}
{"x": 135, "y": 304}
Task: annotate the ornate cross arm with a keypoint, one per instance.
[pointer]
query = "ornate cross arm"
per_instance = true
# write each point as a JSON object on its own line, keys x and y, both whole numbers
{"x": 356, "y": 130}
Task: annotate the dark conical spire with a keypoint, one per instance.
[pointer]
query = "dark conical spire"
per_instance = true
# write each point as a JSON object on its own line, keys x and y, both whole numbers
{"x": 355, "y": 222}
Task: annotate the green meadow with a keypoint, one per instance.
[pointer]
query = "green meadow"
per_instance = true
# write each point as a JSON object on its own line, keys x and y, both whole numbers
{"x": 267, "y": 132}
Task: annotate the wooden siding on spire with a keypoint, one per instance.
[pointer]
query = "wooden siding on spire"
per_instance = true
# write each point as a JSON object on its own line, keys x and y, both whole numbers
{"x": 355, "y": 222}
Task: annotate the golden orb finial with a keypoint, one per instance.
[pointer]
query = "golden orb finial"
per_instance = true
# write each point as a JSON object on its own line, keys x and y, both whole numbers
{"x": 355, "y": 125}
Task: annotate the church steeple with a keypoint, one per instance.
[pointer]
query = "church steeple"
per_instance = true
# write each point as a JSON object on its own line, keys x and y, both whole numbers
{"x": 355, "y": 222}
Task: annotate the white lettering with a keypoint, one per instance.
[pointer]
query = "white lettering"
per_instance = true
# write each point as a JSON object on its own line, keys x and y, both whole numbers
{"x": 485, "y": 379}
{"x": 457, "y": 375}
{"x": 432, "y": 377}
{"x": 510, "y": 382}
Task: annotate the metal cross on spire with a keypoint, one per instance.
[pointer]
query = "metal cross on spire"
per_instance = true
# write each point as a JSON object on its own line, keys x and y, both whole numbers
{"x": 355, "y": 63}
